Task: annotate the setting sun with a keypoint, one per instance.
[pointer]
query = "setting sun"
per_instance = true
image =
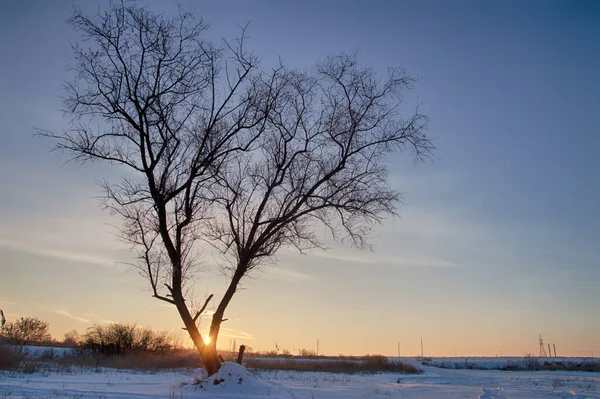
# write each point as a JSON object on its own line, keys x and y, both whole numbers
{"x": 206, "y": 340}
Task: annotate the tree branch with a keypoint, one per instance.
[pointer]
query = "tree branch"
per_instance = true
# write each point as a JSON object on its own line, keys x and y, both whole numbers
{"x": 198, "y": 313}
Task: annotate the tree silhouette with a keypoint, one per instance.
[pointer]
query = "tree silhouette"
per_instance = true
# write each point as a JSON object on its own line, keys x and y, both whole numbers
{"x": 213, "y": 149}
{"x": 26, "y": 330}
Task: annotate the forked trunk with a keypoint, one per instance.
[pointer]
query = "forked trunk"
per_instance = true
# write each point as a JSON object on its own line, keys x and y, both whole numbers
{"x": 210, "y": 359}
{"x": 207, "y": 352}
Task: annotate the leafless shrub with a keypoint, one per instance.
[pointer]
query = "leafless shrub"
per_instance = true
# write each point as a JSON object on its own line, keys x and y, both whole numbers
{"x": 531, "y": 362}
{"x": 72, "y": 339}
{"x": 26, "y": 331}
{"x": 119, "y": 338}
{"x": 307, "y": 353}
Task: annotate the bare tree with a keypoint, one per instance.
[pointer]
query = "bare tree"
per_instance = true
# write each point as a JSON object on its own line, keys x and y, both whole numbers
{"x": 27, "y": 330}
{"x": 72, "y": 339}
{"x": 321, "y": 161}
{"x": 213, "y": 149}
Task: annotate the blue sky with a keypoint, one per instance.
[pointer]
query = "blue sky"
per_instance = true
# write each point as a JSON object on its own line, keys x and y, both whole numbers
{"x": 498, "y": 238}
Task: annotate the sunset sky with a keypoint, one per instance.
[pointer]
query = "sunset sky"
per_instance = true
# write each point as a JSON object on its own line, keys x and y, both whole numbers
{"x": 499, "y": 236}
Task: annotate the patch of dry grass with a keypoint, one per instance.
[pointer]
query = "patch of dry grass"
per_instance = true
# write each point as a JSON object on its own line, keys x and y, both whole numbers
{"x": 13, "y": 359}
{"x": 134, "y": 361}
{"x": 554, "y": 365}
{"x": 10, "y": 358}
{"x": 348, "y": 365}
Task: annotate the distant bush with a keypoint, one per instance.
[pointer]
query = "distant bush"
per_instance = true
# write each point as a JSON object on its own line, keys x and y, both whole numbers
{"x": 26, "y": 331}
{"x": 71, "y": 339}
{"x": 119, "y": 338}
{"x": 553, "y": 365}
{"x": 270, "y": 354}
{"x": 307, "y": 352}
{"x": 531, "y": 362}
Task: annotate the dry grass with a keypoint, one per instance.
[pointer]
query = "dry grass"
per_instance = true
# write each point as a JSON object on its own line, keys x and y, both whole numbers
{"x": 589, "y": 366}
{"x": 527, "y": 363}
{"x": 133, "y": 361}
{"x": 13, "y": 359}
{"x": 10, "y": 358}
{"x": 348, "y": 365}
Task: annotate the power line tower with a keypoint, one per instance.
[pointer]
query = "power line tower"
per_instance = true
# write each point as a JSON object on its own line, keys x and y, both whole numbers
{"x": 542, "y": 350}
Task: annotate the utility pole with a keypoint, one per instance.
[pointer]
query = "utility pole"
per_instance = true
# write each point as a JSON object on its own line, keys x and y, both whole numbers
{"x": 421, "y": 348}
{"x": 549, "y": 351}
{"x": 398, "y": 348}
{"x": 317, "y": 346}
{"x": 554, "y": 345}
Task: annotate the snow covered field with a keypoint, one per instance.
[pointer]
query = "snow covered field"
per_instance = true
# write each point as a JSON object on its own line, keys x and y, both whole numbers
{"x": 238, "y": 383}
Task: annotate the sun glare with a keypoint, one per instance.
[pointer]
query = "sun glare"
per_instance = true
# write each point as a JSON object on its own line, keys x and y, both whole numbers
{"x": 206, "y": 340}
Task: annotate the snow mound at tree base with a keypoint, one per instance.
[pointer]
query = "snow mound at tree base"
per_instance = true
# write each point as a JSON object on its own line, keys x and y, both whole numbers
{"x": 233, "y": 378}
{"x": 230, "y": 374}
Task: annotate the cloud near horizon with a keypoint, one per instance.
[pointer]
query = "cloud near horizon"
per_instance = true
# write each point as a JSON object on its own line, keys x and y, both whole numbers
{"x": 57, "y": 254}
{"x": 284, "y": 274}
{"x": 388, "y": 260}
{"x": 63, "y": 312}
{"x": 234, "y": 333}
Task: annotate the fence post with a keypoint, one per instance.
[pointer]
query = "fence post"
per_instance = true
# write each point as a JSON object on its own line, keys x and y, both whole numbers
{"x": 241, "y": 354}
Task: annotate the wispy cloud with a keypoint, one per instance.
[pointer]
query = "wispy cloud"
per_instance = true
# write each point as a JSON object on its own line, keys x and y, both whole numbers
{"x": 344, "y": 258}
{"x": 418, "y": 262}
{"x": 234, "y": 333}
{"x": 285, "y": 274}
{"x": 388, "y": 260}
{"x": 71, "y": 316}
{"x": 154, "y": 305}
{"x": 64, "y": 255}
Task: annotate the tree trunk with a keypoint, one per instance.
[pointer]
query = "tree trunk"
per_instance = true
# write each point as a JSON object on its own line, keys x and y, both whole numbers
{"x": 208, "y": 353}
{"x": 210, "y": 359}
